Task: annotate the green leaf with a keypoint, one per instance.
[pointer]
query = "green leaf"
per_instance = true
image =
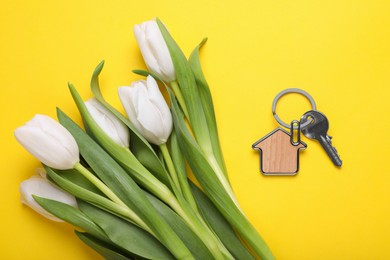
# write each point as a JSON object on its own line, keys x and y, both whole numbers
{"x": 211, "y": 184}
{"x": 72, "y": 216}
{"x": 189, "y": 91}
{"x": 123, "y": 157}
{"x": 146, "y": 73}
{"x": 121, "y": 154}
{"x": 220, "y": 226}
{"x": 107, "y": 251}
{"x": 207, "y": 104}
{"x": 138, "y": 144}
{"x": 61, "y": 178}
{"x": 176, "y": 223}
{"x": 108, "y": 170}
{"x": 81, "y": 191}
{"x": 126, "y": 235}
{"x": 192, "y": 99}
{"x": 92, "y": 128}
{"x": 179, "y": 163}
{"x": 75, "y": 177}
{"x": 192, "y": 241}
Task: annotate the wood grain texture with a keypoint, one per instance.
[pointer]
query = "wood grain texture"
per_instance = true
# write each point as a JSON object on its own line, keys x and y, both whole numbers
{"x": 278, "y": 155}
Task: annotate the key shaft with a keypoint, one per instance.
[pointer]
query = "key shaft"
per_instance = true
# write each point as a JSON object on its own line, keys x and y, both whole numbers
{"x": 330, "y": 150}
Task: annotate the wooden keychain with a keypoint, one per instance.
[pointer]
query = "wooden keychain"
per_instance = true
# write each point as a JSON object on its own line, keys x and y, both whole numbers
{"x": 279, "y": 153}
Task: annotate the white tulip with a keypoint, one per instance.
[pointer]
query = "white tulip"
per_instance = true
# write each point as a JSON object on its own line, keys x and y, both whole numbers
{"x": 154, "y": 50}
{"x": 147, "y": 110}
{"x": 39, "y": 186}
{"x": 49, "y": 142}
{"x": 108, "y": 122}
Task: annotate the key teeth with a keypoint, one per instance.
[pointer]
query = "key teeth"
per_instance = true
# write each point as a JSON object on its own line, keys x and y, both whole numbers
{"x": 336, "y": 152}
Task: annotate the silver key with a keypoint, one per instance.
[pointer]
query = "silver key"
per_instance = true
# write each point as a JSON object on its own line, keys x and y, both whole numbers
{"x": 318, "y": 130}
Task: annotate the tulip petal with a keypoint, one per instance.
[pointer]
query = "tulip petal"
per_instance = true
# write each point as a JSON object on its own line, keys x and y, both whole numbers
{"x": 49, "y": 142}
{"x": 154, "y": 50}
{"x": 160, "y": 50}
{"x": 45, "y": 148}
{"x": 148, "y": 56}
{"x": 158, "y": 100}
{"x": 41, "y": 187}
{"x": 147, "y": 110}
{"x": 149, "y": 117}
{"x": 125, "y": 94}
{"x": 54, "y": 129}
{"x": 140, "y": 146}
{"x": 108, "y": 122}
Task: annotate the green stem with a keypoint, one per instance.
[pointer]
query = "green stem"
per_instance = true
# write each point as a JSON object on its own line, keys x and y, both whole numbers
{"x": 190, "y": 216}
{"x": 179, "y": 162}
{"x": 202, "y": 230}
{"x": 142, "y": 175}
{"x": 180, "y": 205}
{"x": 170, "y": 166}
{"x": 220, "y": 245}
{"x": 131, "y": 216}
{"x": 120, "y": 207}
{"x": 99, "y": 184}
{"x": 179, "y": 96}
{"x": 153, "y": 185}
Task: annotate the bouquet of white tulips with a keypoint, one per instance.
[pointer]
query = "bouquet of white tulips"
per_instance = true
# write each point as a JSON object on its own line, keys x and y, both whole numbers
{"x": 124, "y": 180}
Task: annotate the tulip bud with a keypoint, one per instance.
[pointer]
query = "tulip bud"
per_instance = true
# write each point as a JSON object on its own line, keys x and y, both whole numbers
{"x": 147, "y": 110}
{"x": 154, "y": 50}
{"x": 49, "y": 142}
{"x": 108, "y": 122}
{"x": 39, "y": 186}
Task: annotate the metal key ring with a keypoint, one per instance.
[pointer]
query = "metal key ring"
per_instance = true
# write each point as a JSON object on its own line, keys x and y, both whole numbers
{"x": 287, "y": 91}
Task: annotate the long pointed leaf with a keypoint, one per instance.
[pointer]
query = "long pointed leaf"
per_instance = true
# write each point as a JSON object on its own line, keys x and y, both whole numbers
{"x": 122, "y": 155}
{"x": 79, "y": 181}
{"x": 124, "y": 187}
{"x": 71, "y": 215}
{"x": 207, "y": 178}
{"x": 189, "y": 91}
{"x": 126, "y": 235}
{"x": 207, "y": 104}
{"x": 192, "y": 241}
{"x": 83, "y": 191}
{"x": 99, "y": 246}
{"x": 139, "y": 146}
{"x": 192, "y": 99}
{"x": 220, "y": 226}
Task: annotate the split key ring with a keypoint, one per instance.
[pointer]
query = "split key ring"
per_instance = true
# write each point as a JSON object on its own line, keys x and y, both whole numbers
{"x": 287, "y": 91}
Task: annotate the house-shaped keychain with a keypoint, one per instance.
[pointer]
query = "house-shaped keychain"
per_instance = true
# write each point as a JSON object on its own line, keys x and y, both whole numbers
{"x": 279, "y": 154}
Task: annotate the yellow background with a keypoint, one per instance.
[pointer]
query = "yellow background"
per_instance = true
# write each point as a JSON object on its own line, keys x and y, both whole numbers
{"x": 337, "y": 50}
